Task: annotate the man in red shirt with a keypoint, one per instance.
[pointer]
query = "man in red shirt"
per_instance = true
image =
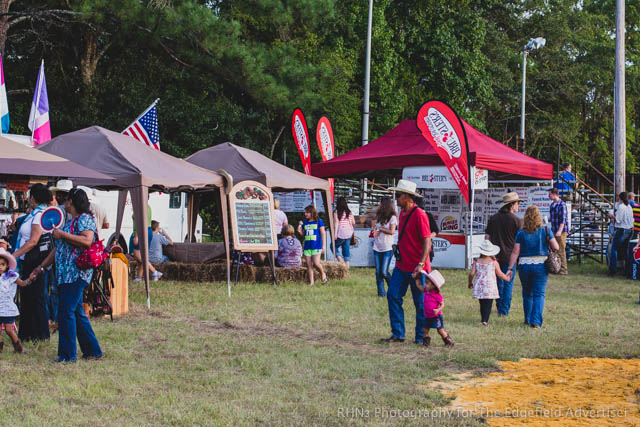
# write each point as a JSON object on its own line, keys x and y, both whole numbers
{"x": 414, "y": 243}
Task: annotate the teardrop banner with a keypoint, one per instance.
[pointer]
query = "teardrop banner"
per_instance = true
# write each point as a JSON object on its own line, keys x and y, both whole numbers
{"x": 301, "y": 138}
{"x": 324, "y": 137}
{"x": 443, "y": 129}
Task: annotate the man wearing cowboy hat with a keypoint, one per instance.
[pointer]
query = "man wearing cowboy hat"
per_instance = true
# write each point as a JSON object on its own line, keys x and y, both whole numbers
{"x": 501, "y": 231}
{"x": 60, "y": 193}
{"x": 414, "y": 243}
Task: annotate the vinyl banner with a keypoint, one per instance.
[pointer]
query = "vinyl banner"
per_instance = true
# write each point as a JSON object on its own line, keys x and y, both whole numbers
{"x": 301, "y": 138}
{"x": 324, "y": 137}
{"x": 442, "y": 127}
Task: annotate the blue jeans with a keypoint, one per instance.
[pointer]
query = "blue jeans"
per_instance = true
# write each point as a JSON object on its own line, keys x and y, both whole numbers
{"x": 619, "y": 237}
{"x": 343, "y": 249}
{"x": 505, "y": 289}
{"x": 400, "y": 281}
{"x": 382, "y": 261}
{"x": 73, "y": 323}
{"x": 534, "y": 283}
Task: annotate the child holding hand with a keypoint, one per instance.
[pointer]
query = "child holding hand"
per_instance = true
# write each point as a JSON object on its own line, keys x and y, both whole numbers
{"x": 9, "y": 282}
{"x": 482, "y": 279}
{"x": 430, "y": 284}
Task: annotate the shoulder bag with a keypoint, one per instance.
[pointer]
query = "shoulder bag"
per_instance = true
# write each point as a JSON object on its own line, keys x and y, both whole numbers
{"x": 93, "y": 256}
{"x": 39, "y": 252}
{"x": 395, "y": 248}
{"x": 553, "y": 262}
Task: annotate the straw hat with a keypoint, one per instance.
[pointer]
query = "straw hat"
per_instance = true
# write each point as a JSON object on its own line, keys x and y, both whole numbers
{"x": 488, "y": 249}
{"x": 435, "y": 277}
{"x": 10, "y": 259}
{"x": 62, "y": 185}
{"x": 510, "y": 198}
{"x": 405, "y": 186}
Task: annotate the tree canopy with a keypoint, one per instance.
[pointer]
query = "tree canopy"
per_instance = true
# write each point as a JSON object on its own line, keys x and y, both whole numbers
{"x": 234, "y": 71}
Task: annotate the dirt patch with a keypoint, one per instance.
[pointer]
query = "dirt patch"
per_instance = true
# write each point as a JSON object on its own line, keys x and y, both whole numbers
{"x": 551, "y": 392}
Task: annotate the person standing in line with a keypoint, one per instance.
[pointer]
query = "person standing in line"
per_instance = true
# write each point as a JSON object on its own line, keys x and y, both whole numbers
{"x": 635, "y": 208}
{"x": 412, "y": 256}
{"x": 623, "y": 229}
{"x": 483, "y": 276}
{"x": 345, "y": 221}
{"x": 501, "y": 231}
{"x": 386, "y": 223}
{"x": 559, "y": 226}
{"x": 279, "y": 218}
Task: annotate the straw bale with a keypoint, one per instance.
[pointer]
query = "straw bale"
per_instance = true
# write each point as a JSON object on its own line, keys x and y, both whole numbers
{"x": 216, "y": 272}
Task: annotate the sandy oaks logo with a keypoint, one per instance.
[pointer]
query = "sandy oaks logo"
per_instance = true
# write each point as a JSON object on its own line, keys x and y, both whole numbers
{"x": 301, "y": 137}
{"x": 443, "y": 133}
{"x": 325, "y": 141}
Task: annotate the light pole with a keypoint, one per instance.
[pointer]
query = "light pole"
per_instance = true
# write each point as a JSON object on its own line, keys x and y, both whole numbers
{"x": 367, "y": 72}
{"x": 536, "y": 43}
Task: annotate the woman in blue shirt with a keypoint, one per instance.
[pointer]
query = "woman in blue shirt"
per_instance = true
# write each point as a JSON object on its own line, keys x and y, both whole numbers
{"x": 532, "y": 246}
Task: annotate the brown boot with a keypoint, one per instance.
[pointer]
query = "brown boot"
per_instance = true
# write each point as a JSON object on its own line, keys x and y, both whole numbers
{"x": 448, "y": 342}
{"x": 17, "y": 347}
{"x": 1, "y": 346}
{"x": 426, "y": 341}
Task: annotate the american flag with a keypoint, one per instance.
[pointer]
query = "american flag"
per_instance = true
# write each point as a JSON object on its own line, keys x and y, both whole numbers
{"x": 145, "y": 128}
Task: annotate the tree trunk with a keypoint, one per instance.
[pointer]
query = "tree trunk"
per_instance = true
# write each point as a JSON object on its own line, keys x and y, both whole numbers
{"x": 4, "y": 23}
{"x": 89, "y": 60}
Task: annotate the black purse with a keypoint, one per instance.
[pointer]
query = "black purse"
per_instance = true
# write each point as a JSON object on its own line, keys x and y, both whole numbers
{"x": 40, "y": 251}
{"x": 395, "y": 248}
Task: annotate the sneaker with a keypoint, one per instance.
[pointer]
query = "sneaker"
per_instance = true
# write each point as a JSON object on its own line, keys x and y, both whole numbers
{"x": 156, "y": 276}
{"x": 138, "y": 279}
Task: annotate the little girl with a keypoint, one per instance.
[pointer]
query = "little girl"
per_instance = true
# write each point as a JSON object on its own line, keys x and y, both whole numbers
{"x": 430, "y": 284}
{"x": 8, "y": 309}
{"x": 312, "y": 229}
{"x": 482, "y": 279}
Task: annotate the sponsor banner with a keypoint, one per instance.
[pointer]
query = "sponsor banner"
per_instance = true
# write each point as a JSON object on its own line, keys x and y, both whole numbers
{"x": 324, "y": 138}
{"x": 448, "y": 222}
{"x": 539, "y": 196}
{"x": 296, "y": 201}
{"x": 301, "y": 138}
{"x": 439, "y": 177}
{"x": 443, "y": 129}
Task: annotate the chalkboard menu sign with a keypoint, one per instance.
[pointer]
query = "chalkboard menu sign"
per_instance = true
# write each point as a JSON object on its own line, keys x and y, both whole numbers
{"x": 251, "y": 206}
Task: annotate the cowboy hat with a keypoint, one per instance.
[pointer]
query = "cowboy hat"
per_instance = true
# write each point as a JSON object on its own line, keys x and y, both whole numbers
{"x": 10, "y": 259}
{"x": 511, "y": 197}
{"x": 488, "y": 249}
{"x": 435, "y": 277}
{"x": 62, "y": 185}
{"x": 405, "y": 186}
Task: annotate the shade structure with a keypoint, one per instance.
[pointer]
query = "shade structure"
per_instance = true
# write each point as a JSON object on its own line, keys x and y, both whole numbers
{"x": 248, "y": 165}
{"x": 18, "y": 159}
{"x": 136, "y": 168}
{"x": 244, "y": 164}
{"x": 405, "y": 146}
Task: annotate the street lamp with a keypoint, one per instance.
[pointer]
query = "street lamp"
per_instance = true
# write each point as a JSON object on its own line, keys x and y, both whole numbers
{"x": 536, "y": 43}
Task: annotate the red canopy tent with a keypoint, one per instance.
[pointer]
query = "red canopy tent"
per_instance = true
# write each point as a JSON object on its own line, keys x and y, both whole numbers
{"x": 405, "y": 146}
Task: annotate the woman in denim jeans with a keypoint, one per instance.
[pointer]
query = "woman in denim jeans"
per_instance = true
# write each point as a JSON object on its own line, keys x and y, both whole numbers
{"x": 71, "y": 241}
{"x": 532, "y": 245}
{"x": 345, "y": 223}
{"x": 386, "y": 223}
{"x": 623, "y": 229}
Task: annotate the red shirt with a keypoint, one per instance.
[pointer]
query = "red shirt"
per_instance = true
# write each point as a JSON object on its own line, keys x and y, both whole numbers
{"x": 411, "y": 243}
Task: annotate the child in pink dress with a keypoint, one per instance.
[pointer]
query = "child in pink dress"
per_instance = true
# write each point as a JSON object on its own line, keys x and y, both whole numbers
{"x": 482, "y": 279}
{"x": 433, "y": 304}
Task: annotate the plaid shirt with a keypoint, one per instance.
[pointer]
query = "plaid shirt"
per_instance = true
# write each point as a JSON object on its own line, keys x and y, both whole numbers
{"x": 558, "y": 214}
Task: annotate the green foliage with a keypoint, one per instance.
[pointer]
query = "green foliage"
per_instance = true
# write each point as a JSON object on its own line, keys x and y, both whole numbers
{"x": 234, "y": 71}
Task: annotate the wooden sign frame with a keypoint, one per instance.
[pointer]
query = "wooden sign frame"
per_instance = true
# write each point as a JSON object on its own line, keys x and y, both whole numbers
{"x": 251, "y": 192}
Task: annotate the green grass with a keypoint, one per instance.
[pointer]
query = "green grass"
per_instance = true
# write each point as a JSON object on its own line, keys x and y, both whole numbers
{"x": 296, "y": 355}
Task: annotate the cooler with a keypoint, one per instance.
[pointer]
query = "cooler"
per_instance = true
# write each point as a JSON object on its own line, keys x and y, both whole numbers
{"x": 633, "y": 261}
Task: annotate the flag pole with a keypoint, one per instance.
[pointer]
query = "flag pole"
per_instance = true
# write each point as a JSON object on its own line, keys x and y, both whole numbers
{"x": 143, "y": 113}
{"x": 38, "y": 94}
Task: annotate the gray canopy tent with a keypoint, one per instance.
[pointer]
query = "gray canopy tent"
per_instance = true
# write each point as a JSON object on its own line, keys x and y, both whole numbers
{"x": 248, "y": 165}
{"x": 18, "y": 159}
{"x": 136, "y": 168}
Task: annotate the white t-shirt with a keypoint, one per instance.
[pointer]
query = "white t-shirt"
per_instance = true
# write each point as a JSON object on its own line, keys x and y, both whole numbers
{"x": 25, "y": 228}
{"x": 384, "y": 241}
{"x": 99, "y": 215}
{"x": 624, "y": 216}
{"x": 279, "y": 220}
{"x": 8, "y": 287}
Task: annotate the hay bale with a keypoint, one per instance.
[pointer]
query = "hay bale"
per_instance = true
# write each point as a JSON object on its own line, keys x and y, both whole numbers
{"x": 217, "y": 272}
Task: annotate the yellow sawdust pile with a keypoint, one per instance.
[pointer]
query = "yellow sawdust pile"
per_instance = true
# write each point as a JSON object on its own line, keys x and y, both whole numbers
{"x": 556, "y": 392}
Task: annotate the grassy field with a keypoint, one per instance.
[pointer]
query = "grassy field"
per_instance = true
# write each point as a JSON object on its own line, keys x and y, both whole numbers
{"x": 297, "y": 355}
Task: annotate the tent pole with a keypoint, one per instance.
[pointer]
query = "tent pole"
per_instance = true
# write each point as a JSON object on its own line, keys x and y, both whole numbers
{"x": 473, "y": 199}
{"x": 122, "y": 200}
{"x": 225, "y": 231}
{"x": 140, "y": 201}
{"x": 326, "y": 196}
